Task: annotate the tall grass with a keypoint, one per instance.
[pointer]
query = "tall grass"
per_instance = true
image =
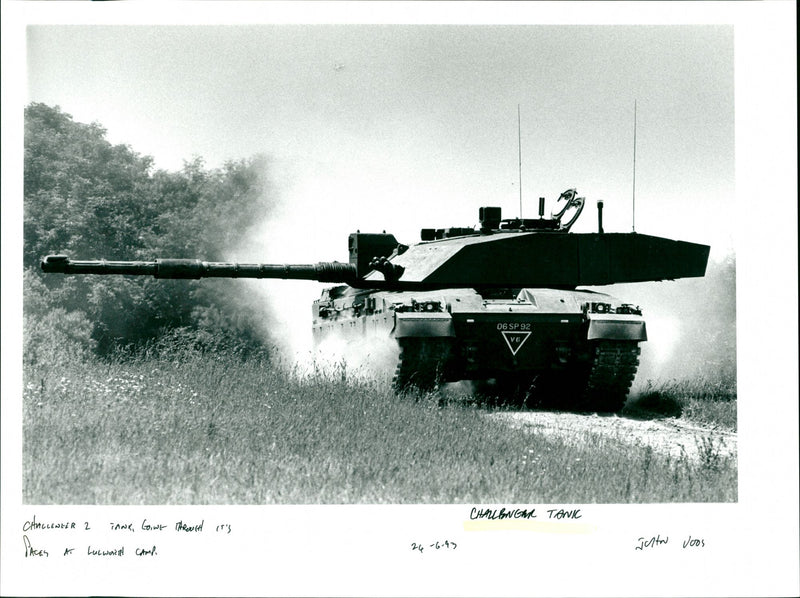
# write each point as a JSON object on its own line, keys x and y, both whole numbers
{"x": 193, "y": 427}
{"x": 706, "y": 400}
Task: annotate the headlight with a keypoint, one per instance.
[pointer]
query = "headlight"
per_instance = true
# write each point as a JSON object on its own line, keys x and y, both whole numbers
{"x": 598, "y": 307}
{"x": 419, "y": 306}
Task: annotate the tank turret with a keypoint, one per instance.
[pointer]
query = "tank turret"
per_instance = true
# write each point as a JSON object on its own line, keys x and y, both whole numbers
{"x": 498, "y": 254}
{"x": 498, "y": 301}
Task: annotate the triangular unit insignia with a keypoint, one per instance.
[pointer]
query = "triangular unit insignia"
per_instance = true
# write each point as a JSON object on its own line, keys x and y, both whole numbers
{"x": 515, "y": 340}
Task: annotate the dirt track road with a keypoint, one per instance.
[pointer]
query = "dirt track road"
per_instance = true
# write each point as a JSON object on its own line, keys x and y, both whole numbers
{"x": 668, "y": 436}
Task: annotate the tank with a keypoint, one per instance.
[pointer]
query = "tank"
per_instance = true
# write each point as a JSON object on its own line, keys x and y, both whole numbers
{"x": 497, "y": 303}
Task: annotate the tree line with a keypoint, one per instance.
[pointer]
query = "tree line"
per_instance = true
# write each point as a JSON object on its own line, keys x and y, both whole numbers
{"x": 90, "y": 199}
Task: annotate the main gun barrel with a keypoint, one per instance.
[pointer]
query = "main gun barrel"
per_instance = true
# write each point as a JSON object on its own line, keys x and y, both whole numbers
{"x": 193, "y": 269}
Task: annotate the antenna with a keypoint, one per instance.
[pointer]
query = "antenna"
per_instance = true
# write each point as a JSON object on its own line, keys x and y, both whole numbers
{"x": 633, "y": 199}
{"x": 519, "y": 143}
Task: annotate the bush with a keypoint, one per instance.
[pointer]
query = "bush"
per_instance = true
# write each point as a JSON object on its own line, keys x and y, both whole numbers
{"x": 55, "y": 337}
{"x": 90, "y": 199}
{"x": 50, "y": 333}
{"x": 186, "y": 343}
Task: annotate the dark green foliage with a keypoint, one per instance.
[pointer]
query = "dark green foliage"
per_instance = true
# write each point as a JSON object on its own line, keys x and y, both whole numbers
{"x": 90, "y": 199}
{"x": 82, "y": 195}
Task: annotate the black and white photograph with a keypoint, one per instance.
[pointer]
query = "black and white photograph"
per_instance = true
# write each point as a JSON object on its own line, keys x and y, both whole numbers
{"x": 480, "y": 285}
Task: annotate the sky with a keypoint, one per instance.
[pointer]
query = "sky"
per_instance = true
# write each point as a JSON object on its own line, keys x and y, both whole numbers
{"x": 401, "y": 127}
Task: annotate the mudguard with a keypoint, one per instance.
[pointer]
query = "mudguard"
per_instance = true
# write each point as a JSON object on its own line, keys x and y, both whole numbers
{"x": 437, "y": 324}
{"x": 616, "y": 327}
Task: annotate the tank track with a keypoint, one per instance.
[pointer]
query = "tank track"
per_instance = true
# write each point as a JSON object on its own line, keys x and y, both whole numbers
{"x": 598, "y": 381}
{"x": 421, "y": 363}
{"x": 609, "y": 375}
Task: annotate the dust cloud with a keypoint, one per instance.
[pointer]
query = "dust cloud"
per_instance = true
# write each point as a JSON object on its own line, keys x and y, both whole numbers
{"x": 307, "y": 225}
{"x": 373, "y": 357}
{"x": 691, "y": 325}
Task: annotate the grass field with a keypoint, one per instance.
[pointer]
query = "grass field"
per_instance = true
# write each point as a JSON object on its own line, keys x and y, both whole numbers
{"x": 194, "y": 428}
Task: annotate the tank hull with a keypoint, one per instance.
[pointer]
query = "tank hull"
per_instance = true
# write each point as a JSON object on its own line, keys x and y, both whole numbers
{"x": 561, "y": 348}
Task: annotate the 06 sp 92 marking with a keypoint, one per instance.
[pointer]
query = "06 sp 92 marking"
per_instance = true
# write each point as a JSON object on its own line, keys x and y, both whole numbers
{"x": 514, "y": 326}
